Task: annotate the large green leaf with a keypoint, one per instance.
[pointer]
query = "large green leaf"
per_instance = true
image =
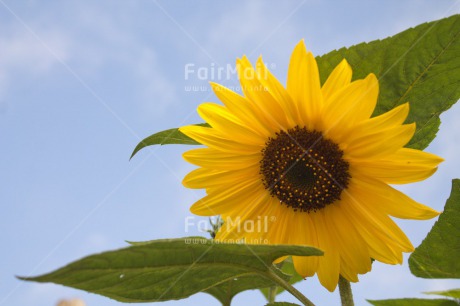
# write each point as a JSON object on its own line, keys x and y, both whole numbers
{"x": 287, "y": 268}
{"x": 419, "y": 65}
{"x": 225, "y": 291}
{"x": 171, "y": 269}
{"x": 455, "y": 293}
{"x": 438, "y": 255}
{"x": 413, "y": 302}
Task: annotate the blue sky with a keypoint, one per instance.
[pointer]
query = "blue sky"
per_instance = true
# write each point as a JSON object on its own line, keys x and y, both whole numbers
{"x": 82, "y": 82}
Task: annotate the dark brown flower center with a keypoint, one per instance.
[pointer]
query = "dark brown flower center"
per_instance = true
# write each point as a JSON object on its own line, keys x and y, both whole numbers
{"x": 304, "y": 170}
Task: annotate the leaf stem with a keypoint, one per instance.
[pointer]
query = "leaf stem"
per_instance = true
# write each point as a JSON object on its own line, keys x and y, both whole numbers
{"x": 346, "y": 296}
{"x": 288, "y": 287}
{"x": 272, "y": 294}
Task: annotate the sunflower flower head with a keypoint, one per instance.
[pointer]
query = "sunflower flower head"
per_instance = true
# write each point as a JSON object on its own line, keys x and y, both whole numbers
{"x": 313, "y": 161}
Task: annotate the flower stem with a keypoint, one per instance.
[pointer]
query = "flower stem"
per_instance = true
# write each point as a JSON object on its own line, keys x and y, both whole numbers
{"x": 346, "y": 296}
{"x": 288, "y": 287}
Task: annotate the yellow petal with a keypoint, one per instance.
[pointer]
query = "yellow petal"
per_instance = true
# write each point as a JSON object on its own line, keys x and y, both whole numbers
{"x": 382, "y": 223}
{"x": 278, "y": 92}
{"x": 409, "y": 157}
{"x": 339, "y": 78}
{"x": 353, "y": 249}
{"x": 348, "y": 272}
{"x": 306, "y": 266}
{"x": 390, "y": 119}
{"x": 379, "y": 225}
{"x": 281, "y": 259}
{"x": 329, "y": 263}
{"x": 241, "y": 108}
{"x": 393, "y": 172}
{"x": 213, "y": 139}
{"x": 226, "y": 199}
{"x": 380, "y": 144}
{"x": 378, "y": 248}
{"x": 229, "y": 125}
{"x": 391, "y": 201}
{"x": 303, "y": 84}
{"x": 234, "y": 222}
{"x": 404, "y": 166}
{"x": 215, "y": 159}
{"x": 262, "y": 102}
{"x": 279, "y": 230}
{"x": 304, "y": 233}
{"x": 364, "y": 108}
{"x": 208, "y": 178}
{"x": 351, "y": 105}
{"x": 360, "y": 203}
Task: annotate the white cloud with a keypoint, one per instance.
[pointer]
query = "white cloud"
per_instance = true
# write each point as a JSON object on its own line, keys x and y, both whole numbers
{"x": 249, "y": 26}
{"x": 25, "y": 54}
{"x": 441, "y": 285}
{"x": 158, "y": 93}
{"x": 3, "y": 88}
{"x": 32, "y": 53}
{"x": 95, "y": 241}
{"x": 448, "y": 142}
{"x": 91, "y": 40}
{"x": 113, "y": 42}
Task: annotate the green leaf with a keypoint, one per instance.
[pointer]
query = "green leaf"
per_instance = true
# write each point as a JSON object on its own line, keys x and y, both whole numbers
{"x": 419, "y": 65}
{"x": 226, "y": 291}
{"x": 437, "y": 256}
{"x": 282, "y": 304}
{"x": 412, "y": 302}
{"x": 171, "y": 136}
{"x": 171, "y": 269}
{"x": 455, "y": 293}
{"x": 287, "y": 268}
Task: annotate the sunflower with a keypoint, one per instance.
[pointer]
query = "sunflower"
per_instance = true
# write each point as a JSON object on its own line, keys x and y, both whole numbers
{"x": 314, "y": 160}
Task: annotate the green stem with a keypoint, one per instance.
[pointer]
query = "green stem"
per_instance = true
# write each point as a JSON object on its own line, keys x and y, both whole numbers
{"x": 272, "y": 294}
{"x": 346, "y": 296}
{"x": 288, "y": 287}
